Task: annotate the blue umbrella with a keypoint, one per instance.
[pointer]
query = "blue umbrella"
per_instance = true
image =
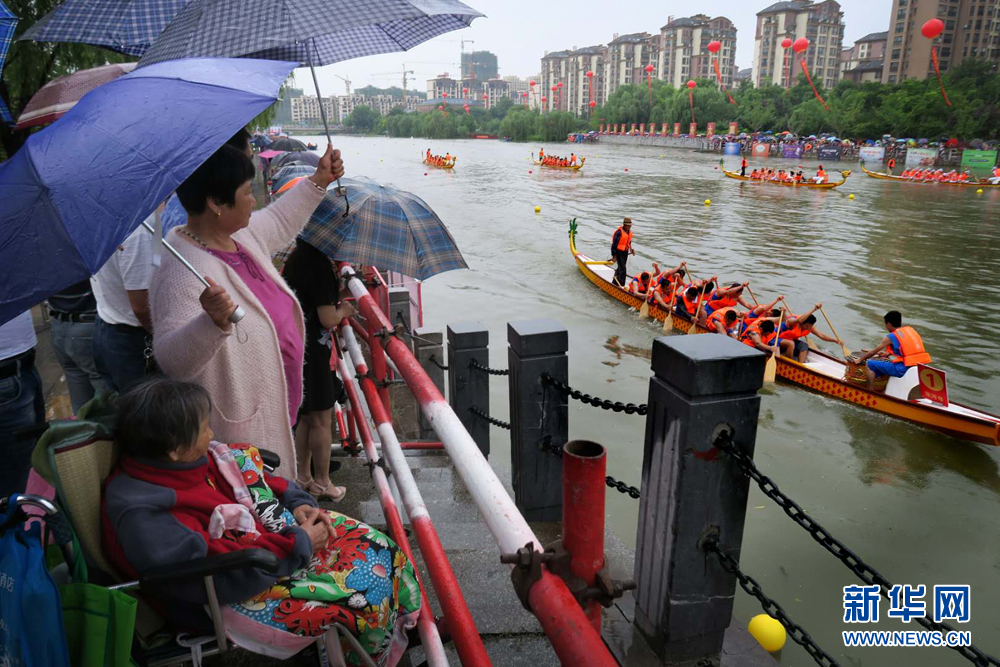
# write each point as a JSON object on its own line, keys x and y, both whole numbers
{"x": 79, "y": 187}
{"x": 387, "y": 228}
{"x": 8, "y": 24}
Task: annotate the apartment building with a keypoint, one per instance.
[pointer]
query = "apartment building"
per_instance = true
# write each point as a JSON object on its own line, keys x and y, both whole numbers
{"x": 305, "y": 109}
{"x": 864, "y": 60}
{"x": 626, "y": 60}
{"x": 822, "y": 23}
{"x": 683, "y": 49}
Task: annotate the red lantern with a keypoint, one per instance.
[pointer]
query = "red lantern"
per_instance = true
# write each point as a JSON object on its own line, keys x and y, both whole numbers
{"x": 465, "y": 90}
{"x": 932, "y": 28}
{"x": 713, "y": 47}
{"x": 440, "y": 107}
{"x": 544, "y": 98}
{"x": 590, "y": 75}
{"x": 800, "y": 45}
{"x": 444, "y": 94}
{"x": 531, "y": 83}
{"x": 485, "y": 96}
{"x": 559, "y": 85}
{"x": 692, "y": 84}
{"x": 554, "y": 89}
{"x": 593, "y": 104}
{"x": 649, "y": 69}
{"x": 786, "y": 42}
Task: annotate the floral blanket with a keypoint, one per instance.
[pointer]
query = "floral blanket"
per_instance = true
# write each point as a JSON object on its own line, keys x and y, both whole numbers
{"x": 361, "y": 580}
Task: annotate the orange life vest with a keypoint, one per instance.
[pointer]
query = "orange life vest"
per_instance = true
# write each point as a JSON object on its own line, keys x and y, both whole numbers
{"x": 794, "y": 333}
{"x": 755, "y": 329}
{"x": 690, "y": 305}
{"x": 716, "y": 303}
{"x": 625, "y": 240}
{"x": 720, "y": 316}
{"x": 911, "y": 347}
{"x": 996, "y": 171}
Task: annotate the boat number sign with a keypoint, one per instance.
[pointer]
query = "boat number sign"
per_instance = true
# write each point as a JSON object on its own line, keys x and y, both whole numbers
{"x": 932, "y": 385}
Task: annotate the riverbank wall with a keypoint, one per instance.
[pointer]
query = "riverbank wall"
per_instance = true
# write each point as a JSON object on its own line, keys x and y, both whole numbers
{"x": 656, "y": 141}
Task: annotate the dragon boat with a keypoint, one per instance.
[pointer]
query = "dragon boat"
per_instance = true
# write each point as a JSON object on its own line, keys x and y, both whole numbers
{"x": 447, "y": 165}
{"x": 899, "y": 179}
{"x": 575, "y": 167}
{"x": 826, "y": 374}
{"x": 804, "y": 184}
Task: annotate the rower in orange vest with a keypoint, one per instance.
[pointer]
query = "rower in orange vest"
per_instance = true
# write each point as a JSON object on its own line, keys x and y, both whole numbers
{"x": 743, "y": 167}
{"x": 821, "y": 176}
{"x": 901, "y": 349}
{"x": 621, "y": 248}
{"x": 995, "y": 180}
{"x": 761, "y": 335}
{"x": 725, "y": 321}
{"x": 794, "y": 331}
{"x": 572, "y": 159}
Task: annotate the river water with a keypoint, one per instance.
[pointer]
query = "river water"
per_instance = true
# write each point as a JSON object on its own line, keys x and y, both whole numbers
{"x": 918, "y": 506}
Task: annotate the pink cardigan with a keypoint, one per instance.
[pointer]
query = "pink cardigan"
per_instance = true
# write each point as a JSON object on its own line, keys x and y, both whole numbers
{"x": 245, "y": 380}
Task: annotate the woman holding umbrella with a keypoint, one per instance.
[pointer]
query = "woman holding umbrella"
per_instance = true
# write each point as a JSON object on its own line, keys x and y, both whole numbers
{"x": 252, "y": 370}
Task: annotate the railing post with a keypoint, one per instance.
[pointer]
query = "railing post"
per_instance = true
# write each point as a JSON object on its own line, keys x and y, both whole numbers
{"x": 536, "y": 411}
{"x": 468, "y": 388}
{"x": 399, "y": 311}
{"x": 429, "y": 344}
{"x": 701, "y": 384}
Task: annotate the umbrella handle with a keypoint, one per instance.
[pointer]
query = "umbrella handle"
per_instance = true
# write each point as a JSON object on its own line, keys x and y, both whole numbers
{"x": 234, "y": 316}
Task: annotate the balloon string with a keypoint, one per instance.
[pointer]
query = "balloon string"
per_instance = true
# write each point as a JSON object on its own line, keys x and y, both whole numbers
{"x": 718, "y": 75}
{"x": 811, "y": 85}
{"x": 937, "y": 71}
{"x": 691, "y": 100}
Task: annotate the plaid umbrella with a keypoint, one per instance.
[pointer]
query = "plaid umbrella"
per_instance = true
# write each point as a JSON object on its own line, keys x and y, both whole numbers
{"x": 127, "y": 26}
{"x": 388, "y": 228}
{"x": 312, "y": 32}
{"x": 8, "y": 23}
{"x": 60, "y": 95}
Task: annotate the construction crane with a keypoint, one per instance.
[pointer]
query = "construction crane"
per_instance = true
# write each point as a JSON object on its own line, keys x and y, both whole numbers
{"x": 404, "y": 73}
{"x": 347, "y": 82}
{"x": 472, "y": 64}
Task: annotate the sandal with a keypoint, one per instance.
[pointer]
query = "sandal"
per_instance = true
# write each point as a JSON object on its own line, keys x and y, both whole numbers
{"x": 331, "y": 492}
{"x": 304, "y": 484}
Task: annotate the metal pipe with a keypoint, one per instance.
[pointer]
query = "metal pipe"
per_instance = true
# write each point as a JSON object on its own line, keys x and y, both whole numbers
{"x": 584, "y": 466}
{"x": 556, "y": 609}
{"x": 345, "y": 442}
{"x": 429, "y": 636}
{"x": 463, "y": 627}
{"x": 378, "y": 365}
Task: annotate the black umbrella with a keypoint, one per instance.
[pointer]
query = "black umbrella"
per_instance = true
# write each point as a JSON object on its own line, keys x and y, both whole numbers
{"x": 296, "y": 157}
{"x": 286, "y": 144}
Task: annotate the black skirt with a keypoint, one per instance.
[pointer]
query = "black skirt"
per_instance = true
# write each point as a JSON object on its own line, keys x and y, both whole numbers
{"x": 320, "y": 385}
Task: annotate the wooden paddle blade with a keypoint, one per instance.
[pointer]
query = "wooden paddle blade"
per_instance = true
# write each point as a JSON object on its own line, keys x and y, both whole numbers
{"x": 644, "y": 310}
{"x": 846, "y": 351}
{"x": 668, "y": 322}
{"x": 693, "y": 329}
{"x": 770, "y": 369}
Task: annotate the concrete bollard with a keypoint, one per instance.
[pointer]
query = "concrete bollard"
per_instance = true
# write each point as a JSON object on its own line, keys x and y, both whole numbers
{"x": 427, "y": 344}
{"x": 684, "y": 599}
{"x": 536, "y": 411}
{"x": 469, "y": 388}
{"x": 399, "y": 311}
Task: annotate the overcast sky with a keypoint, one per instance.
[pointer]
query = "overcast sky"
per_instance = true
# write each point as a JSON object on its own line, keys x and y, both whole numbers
{"x": 519, "y": 32}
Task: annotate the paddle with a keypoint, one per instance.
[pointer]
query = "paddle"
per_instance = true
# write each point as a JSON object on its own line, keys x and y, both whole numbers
{"x": 843, "y": 347}
{"x": 668, "y": 321}
{"x": 694, "y": 317}
{"x": 771, "y": 366}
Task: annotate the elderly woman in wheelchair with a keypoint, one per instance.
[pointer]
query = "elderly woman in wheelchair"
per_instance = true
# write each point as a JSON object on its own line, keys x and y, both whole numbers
{"x": 177, "y": 495}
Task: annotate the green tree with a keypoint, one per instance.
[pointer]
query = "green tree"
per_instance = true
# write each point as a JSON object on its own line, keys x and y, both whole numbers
{"x": 519, "y": 124}
{"x": 362, "y": 119}
{"x": 30, "y": 65}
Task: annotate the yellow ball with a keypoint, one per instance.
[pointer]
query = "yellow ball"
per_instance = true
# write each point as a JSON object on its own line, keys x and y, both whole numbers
{"x": 769, "y": 633}
{"x": 979, "y": 191}
{"x": 850, "y": 196}
{"x": 538, "y": 209}
{"x": 708, "y": 202}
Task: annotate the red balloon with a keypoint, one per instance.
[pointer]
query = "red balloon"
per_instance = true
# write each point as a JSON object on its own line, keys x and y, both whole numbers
{"x": 800, "y": 45}
{"x": 932, "y": 28}
{"x": 485, "y": 96}
{"x": 692, "y": 84}
{"x": 786, "y": 42}
{"x": 713, "y": 47}
{"x": 593, "y": 104}
{"x": 590, "y": 75}
{"x": 544, "y": 98}
{"x": 444, "y": 94}
{"x": 554, "y": 89}
{"x": 531, "y": 83}
{"x": 440, "y": 108}
{"x": 559, "y": 85}
{"x": 649, "y": 69}
{"x": 465, "y": 90}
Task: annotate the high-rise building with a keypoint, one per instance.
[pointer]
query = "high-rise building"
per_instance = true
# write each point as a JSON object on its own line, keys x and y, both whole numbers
{"x": 683, "y": 50}
{"x": 283, "y": 111}
{"x": 971, "y": 30}
{"x": 577, "y": 87}
{"x": 444, "y": 86}
{"x": 305, "y": 109}
{"x": 480, "y": 65}
{"x": 821, "y": 23}
{"x": 555, "y": 71}
{"x": 381, "y": 103}
{"x": 626, "y": 60}
{"x": 863, "y": 61}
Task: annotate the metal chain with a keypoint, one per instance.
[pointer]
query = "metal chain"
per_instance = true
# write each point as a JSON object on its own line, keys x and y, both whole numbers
{"x": 482, "y": 415}
{"x": 621, "y": 486}
{"x": 861, "y": 569}
{"x": 433, "y": 360}
{"x": 603, "y": 403}
{"x": 775, "y": 610}
{"x": 486, "y": 369}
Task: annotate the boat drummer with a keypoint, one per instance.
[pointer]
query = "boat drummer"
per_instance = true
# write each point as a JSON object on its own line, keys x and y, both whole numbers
{"x": 899, "y": 350}
{"x": 621, "y": 248}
